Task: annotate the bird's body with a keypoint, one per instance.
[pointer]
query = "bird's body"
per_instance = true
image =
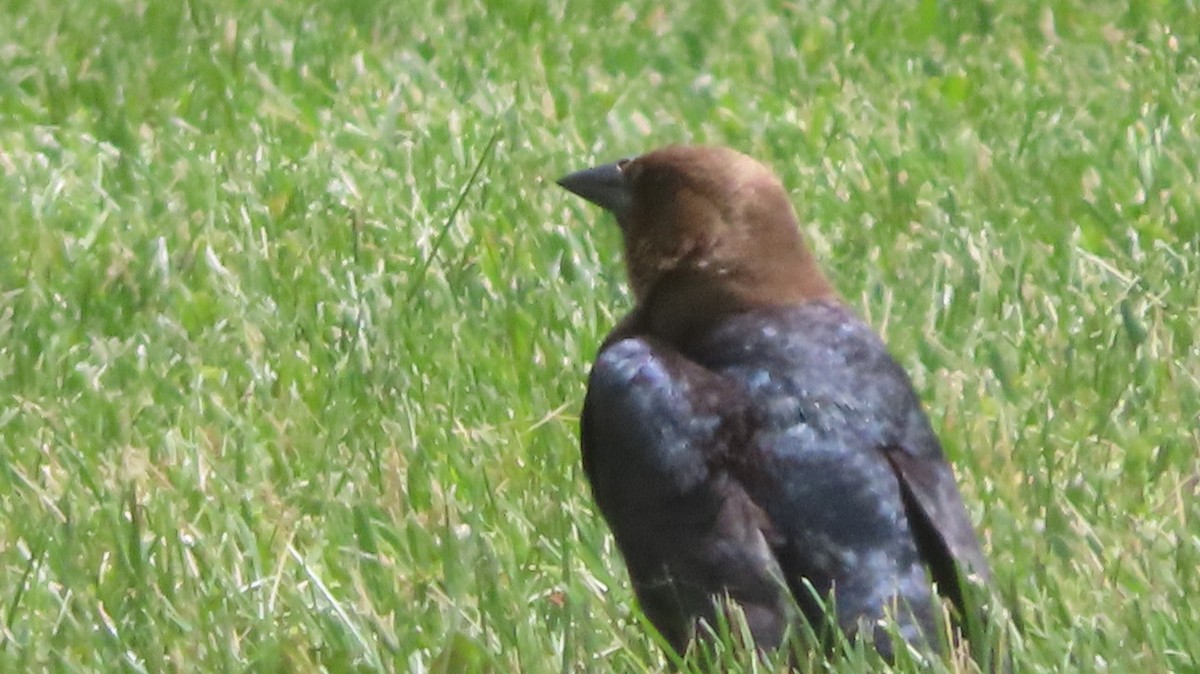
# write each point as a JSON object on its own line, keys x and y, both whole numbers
{"x": 745, "y": 434}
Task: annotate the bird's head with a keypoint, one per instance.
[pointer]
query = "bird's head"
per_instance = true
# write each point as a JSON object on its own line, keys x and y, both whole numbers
{"x": 706, "y": 230}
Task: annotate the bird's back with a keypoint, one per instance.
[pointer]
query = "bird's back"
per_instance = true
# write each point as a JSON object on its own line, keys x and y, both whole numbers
{"x": 827, "y": 408}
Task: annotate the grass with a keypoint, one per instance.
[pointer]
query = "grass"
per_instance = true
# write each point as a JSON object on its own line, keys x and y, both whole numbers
{"x": 294, "y": 324}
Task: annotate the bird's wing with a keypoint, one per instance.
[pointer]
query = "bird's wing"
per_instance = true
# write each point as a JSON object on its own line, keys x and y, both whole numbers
{"x": 654, "y": 427}
{"x": 843, "y": 461}
{"x": 930, "y": 484}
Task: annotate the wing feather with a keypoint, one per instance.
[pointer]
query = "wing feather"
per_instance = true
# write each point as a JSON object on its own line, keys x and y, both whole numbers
{"x": 654, "y": 428}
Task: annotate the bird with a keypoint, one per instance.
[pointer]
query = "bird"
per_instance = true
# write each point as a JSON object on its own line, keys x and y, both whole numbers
{"x": 749, "y": 439}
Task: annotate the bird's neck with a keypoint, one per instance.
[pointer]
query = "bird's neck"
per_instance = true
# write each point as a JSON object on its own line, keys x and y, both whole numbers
{"x": 684, "y": 304}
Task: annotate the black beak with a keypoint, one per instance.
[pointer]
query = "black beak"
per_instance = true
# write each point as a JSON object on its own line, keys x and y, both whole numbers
{"x": 603, "y": 185}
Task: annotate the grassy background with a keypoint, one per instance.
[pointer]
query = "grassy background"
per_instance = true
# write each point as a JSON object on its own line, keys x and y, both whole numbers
{"x": 294, "y": 324}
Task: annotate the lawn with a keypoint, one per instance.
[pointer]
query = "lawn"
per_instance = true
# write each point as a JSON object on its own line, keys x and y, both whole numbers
{"x": 294, "y": 323}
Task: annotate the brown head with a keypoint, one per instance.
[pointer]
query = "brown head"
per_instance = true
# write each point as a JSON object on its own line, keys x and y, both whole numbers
{"x": 707, "y": 231}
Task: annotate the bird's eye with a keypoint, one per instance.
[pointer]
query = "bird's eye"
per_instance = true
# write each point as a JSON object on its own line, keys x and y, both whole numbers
{"x": 629, "y": 169}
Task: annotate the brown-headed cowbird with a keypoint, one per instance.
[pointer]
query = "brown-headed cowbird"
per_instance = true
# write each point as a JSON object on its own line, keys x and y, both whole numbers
{"x": 745, "y": 434}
